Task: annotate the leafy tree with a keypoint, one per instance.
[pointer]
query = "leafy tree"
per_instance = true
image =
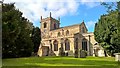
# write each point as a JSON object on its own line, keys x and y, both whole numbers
{"x": 109, "y": 6}
{"x": 36, "y": 38}
{"x": 16, "y": 31}
{"x": 107, "y": 31}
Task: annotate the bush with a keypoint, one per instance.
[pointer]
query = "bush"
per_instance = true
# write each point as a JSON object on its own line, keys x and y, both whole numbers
{"x": 83, "y": 54}
{"x": 76, "y": 53}
{"x": 61, "y": 53}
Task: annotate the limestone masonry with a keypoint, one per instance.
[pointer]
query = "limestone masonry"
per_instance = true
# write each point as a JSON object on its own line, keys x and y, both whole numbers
{"x": 54, "y": 37}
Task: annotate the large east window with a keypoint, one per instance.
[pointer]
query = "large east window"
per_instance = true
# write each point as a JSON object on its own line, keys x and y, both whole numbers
{"x": 84, "y": 45}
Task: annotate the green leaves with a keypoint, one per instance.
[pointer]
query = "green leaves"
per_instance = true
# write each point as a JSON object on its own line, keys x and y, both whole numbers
{"x": 107, "y": 31}
{"x": 16, "y": 32}
{"x": 36, "y": 38}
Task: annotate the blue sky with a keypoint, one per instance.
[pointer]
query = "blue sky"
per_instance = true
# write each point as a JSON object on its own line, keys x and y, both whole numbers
{"x": 89, "y": 15}
{"x": 70, "y": 11}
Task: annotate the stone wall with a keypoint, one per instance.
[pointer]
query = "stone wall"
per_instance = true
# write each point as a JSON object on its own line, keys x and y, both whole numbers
{"x": 73, "y": 32}
{"x": 90, "y": 42}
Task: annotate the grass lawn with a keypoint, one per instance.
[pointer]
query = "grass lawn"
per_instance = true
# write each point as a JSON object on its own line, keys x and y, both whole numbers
{"x": 60, "y": 62}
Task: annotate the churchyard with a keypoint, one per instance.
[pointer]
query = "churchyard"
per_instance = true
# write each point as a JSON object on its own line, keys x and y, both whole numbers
{"x": 67, "y": 62}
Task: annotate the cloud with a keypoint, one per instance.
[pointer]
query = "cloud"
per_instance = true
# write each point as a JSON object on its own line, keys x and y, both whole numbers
{"x": 90, "y": 25}
{"x": 33, "y": 9}
{"x": 91, "y": 4}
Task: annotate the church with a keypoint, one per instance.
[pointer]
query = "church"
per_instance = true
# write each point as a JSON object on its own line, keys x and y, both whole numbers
{"x": 69, "y": 38}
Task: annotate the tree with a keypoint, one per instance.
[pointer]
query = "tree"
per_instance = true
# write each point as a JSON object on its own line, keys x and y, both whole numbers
{"x": 16, "y": 33}
{"x": 107, "y": 31}
{"x": 36, "y": 38}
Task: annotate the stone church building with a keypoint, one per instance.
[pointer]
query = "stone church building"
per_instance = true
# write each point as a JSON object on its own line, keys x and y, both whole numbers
{"x": 54, "y": 37}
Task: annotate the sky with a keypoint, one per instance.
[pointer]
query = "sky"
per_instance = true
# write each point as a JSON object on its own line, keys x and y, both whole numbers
{"x": 70, "y": 11}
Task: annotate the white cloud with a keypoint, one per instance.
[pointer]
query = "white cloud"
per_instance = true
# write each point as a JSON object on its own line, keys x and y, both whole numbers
{"x": 90, "y": 4}
{"x": 33, "y": 9}
{"x": 90, "y": 25}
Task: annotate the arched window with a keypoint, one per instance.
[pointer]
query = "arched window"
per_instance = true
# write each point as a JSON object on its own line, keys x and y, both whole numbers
{"x": 84, "y": 44}
{"x": 54, "y": 26}
{"x": 67, "y": 44}
{"x": 45, "y": 25}
{"x": 67, "y": 32}
{"x": 59, "y": 34}
{"x": 55, "y": 43}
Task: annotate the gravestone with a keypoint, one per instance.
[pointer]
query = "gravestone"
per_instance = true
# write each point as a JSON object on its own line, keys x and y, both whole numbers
{"x": 66, "y": 53}
{"x": 82, "y": 54}
{"x": 117, "y": 57}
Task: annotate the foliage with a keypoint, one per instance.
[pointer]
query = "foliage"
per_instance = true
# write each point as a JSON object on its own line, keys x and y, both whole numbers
{"x": 83, "y": 54}
{"x": 16, "y": 31}
{"x": 61, "y": 51}
{"x": 109, "y": 6}
{"x": 36, "y": 38}
{"x": 76, "y": 53}
{"x": 107, "y": 31}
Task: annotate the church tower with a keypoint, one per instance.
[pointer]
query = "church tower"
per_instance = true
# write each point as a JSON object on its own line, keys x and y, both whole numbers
{"x": 48, "y": 24}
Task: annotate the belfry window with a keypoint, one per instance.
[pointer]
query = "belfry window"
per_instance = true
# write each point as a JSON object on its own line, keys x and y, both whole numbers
{"x": 45, "y": 25}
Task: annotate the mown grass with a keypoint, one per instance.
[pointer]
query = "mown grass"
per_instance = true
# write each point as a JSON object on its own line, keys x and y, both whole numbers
{"x": 60, "y": 62}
